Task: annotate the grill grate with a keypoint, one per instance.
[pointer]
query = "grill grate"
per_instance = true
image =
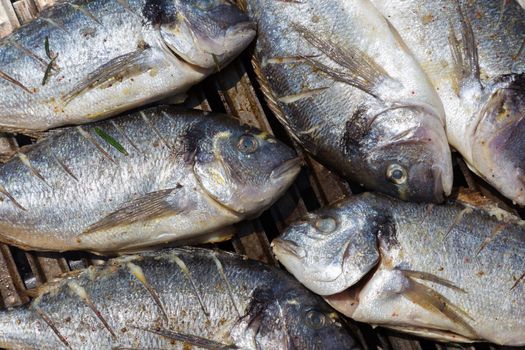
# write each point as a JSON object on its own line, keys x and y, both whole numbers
{"x": 235, "y": 91}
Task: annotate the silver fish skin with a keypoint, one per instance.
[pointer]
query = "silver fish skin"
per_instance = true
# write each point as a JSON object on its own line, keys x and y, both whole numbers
{"x": 452, "y": 272}
{"x": 474, "y": 54}
{"x": 172, "y": 175}
{"x": 176, "y": 299}
{"x": 347, "y": 88}
{"x": 84, "y": 60}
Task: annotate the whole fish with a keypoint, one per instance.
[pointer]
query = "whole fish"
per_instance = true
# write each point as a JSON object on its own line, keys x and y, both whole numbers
{"x": 474, "y": 54}
{"x": 84, "y": 60}
{"x": 452, "y": 272}
{"x": 176, "y": 299}
{"x": 142, "y": 179}
{"x": 343, "y": 83}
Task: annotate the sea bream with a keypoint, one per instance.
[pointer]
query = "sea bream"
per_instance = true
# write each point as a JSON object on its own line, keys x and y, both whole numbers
{"x": 84, "y": 60}
{"x": 344, "y": 84}
{"x": 185, "y": 298}
{"x": 452, "y": 272}
{"x": 474, "y": 54}
{"x": 150, "y": 177}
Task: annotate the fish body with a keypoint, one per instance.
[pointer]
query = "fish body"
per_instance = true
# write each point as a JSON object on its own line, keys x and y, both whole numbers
{"x": 84, "y": 60}
{"x": 344, "y": 84}
{"x": 473, "y": 52}
{"x": 176, "y": 299}
{"x": 147, "y": 178}
{"x": 452, "y": 272}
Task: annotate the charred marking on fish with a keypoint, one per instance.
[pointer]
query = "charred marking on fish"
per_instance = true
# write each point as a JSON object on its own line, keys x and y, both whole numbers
{"x": 154, "y": 128}
{"x": 30, "y": 53}
{"x": 25, "y": 160}
{"x": 85, "y": 12}
{"x": 90, "y": 138}
{"x": 495, "y": 231}
{"x": 82, "y": 294}
{"x": 123, "y": 133}
{"x": 425, "y": 276}
{"x": 139, "y": 275}
{"x": 301, "y": 95}
{"x": 54, "y": 24}
{"x": 64, "y": 167}
{"x": 228, "y": 286}
{"x": 518, "y": 281}
{"x": 191, "y": 339}
{"x": 15, "y": 82}
{"x": 51, "y": 325}
{"x": 360, "y": 70}
{"x": 428, "y": 210}
{"x": 8, "y": 195}
{"x": 184, "y": 268}
{"x": 457, "y": 220}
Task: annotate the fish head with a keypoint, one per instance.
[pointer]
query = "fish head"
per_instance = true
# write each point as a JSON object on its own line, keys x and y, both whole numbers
{"x": 245, "y": 169}
{"x": 207, "y": 33}
{"x": 409, "y": 156}
{"x": 331, "y": 249}
{"x": 284, "y": 318}
{"x": 498, "y": 142}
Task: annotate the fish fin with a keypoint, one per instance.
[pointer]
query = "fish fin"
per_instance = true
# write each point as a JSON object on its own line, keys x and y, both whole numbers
{"x": 431, "y": 300}
{"x": 425, "y": 276}
{"x": 464, "y": 52}
{"x": 358, "y": 69}
{"x": 189, "y": 339}
{"x": 148, "y": 207}
{"x": 115, "y": 70}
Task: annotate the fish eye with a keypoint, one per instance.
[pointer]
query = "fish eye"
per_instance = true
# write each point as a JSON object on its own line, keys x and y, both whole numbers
{"x": 247, "y": 144}
{"x": 396, "y": 174}
{"x": 326, "y": 224}
{"x": 315, "y": 319}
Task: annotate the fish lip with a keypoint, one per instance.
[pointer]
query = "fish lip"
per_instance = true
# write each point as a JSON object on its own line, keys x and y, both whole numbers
{"x": 289, "y": 167}
{"x": 289, "y": 247}
{"x": 246, "y": 26}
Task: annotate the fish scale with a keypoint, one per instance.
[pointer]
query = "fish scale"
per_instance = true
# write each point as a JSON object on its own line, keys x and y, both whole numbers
{"x": 114, "y": 309}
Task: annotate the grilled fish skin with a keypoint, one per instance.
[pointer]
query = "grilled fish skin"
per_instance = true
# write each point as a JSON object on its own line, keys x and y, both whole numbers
{"x": 473, "y": 52}
{"x": 343, "y": 83}
{"x": 84, "y": 60}
{"x": 147, "y": 178}
{"x": 176, "y": 299}
{"x": 451, "y": 272}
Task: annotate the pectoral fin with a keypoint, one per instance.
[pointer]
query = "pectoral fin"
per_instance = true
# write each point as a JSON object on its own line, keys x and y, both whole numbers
{"x": 149, "y": 207}
{"x": 357, "y": 68}
{"x": 190, "y": 339}
{"x": 433, "y": 301}
{"x": 116, "y": 70}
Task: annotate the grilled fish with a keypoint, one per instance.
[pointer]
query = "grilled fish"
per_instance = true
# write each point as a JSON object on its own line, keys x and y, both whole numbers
{"x": 452, "y": 272}
{"x": 345, "y": 85}
{"x": 176, "y": 299}
{"x": 473, "y": 52}
{"x": 84, "y": 60}
{"x": 151, "y": 177}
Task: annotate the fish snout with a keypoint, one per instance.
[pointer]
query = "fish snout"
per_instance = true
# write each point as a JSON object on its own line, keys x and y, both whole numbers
{"x": 286, "y": 247}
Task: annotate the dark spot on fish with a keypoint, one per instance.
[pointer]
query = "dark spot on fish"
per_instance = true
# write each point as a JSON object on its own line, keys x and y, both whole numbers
{"x": 124, "y": 330}
{"x": 480, "y": 273}
{"x": 153, "y": 11}
{"x": 441, "y": 268}
{"x": 386, "y": 232}
{"x": 356, "y": 129}
{"x": 67, "y": 319}
{"x": 466, "y": 260}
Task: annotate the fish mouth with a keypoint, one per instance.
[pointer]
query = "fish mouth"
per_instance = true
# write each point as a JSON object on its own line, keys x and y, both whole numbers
{"x": 288, "y": 169}
{"x": 286, "y": 247}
